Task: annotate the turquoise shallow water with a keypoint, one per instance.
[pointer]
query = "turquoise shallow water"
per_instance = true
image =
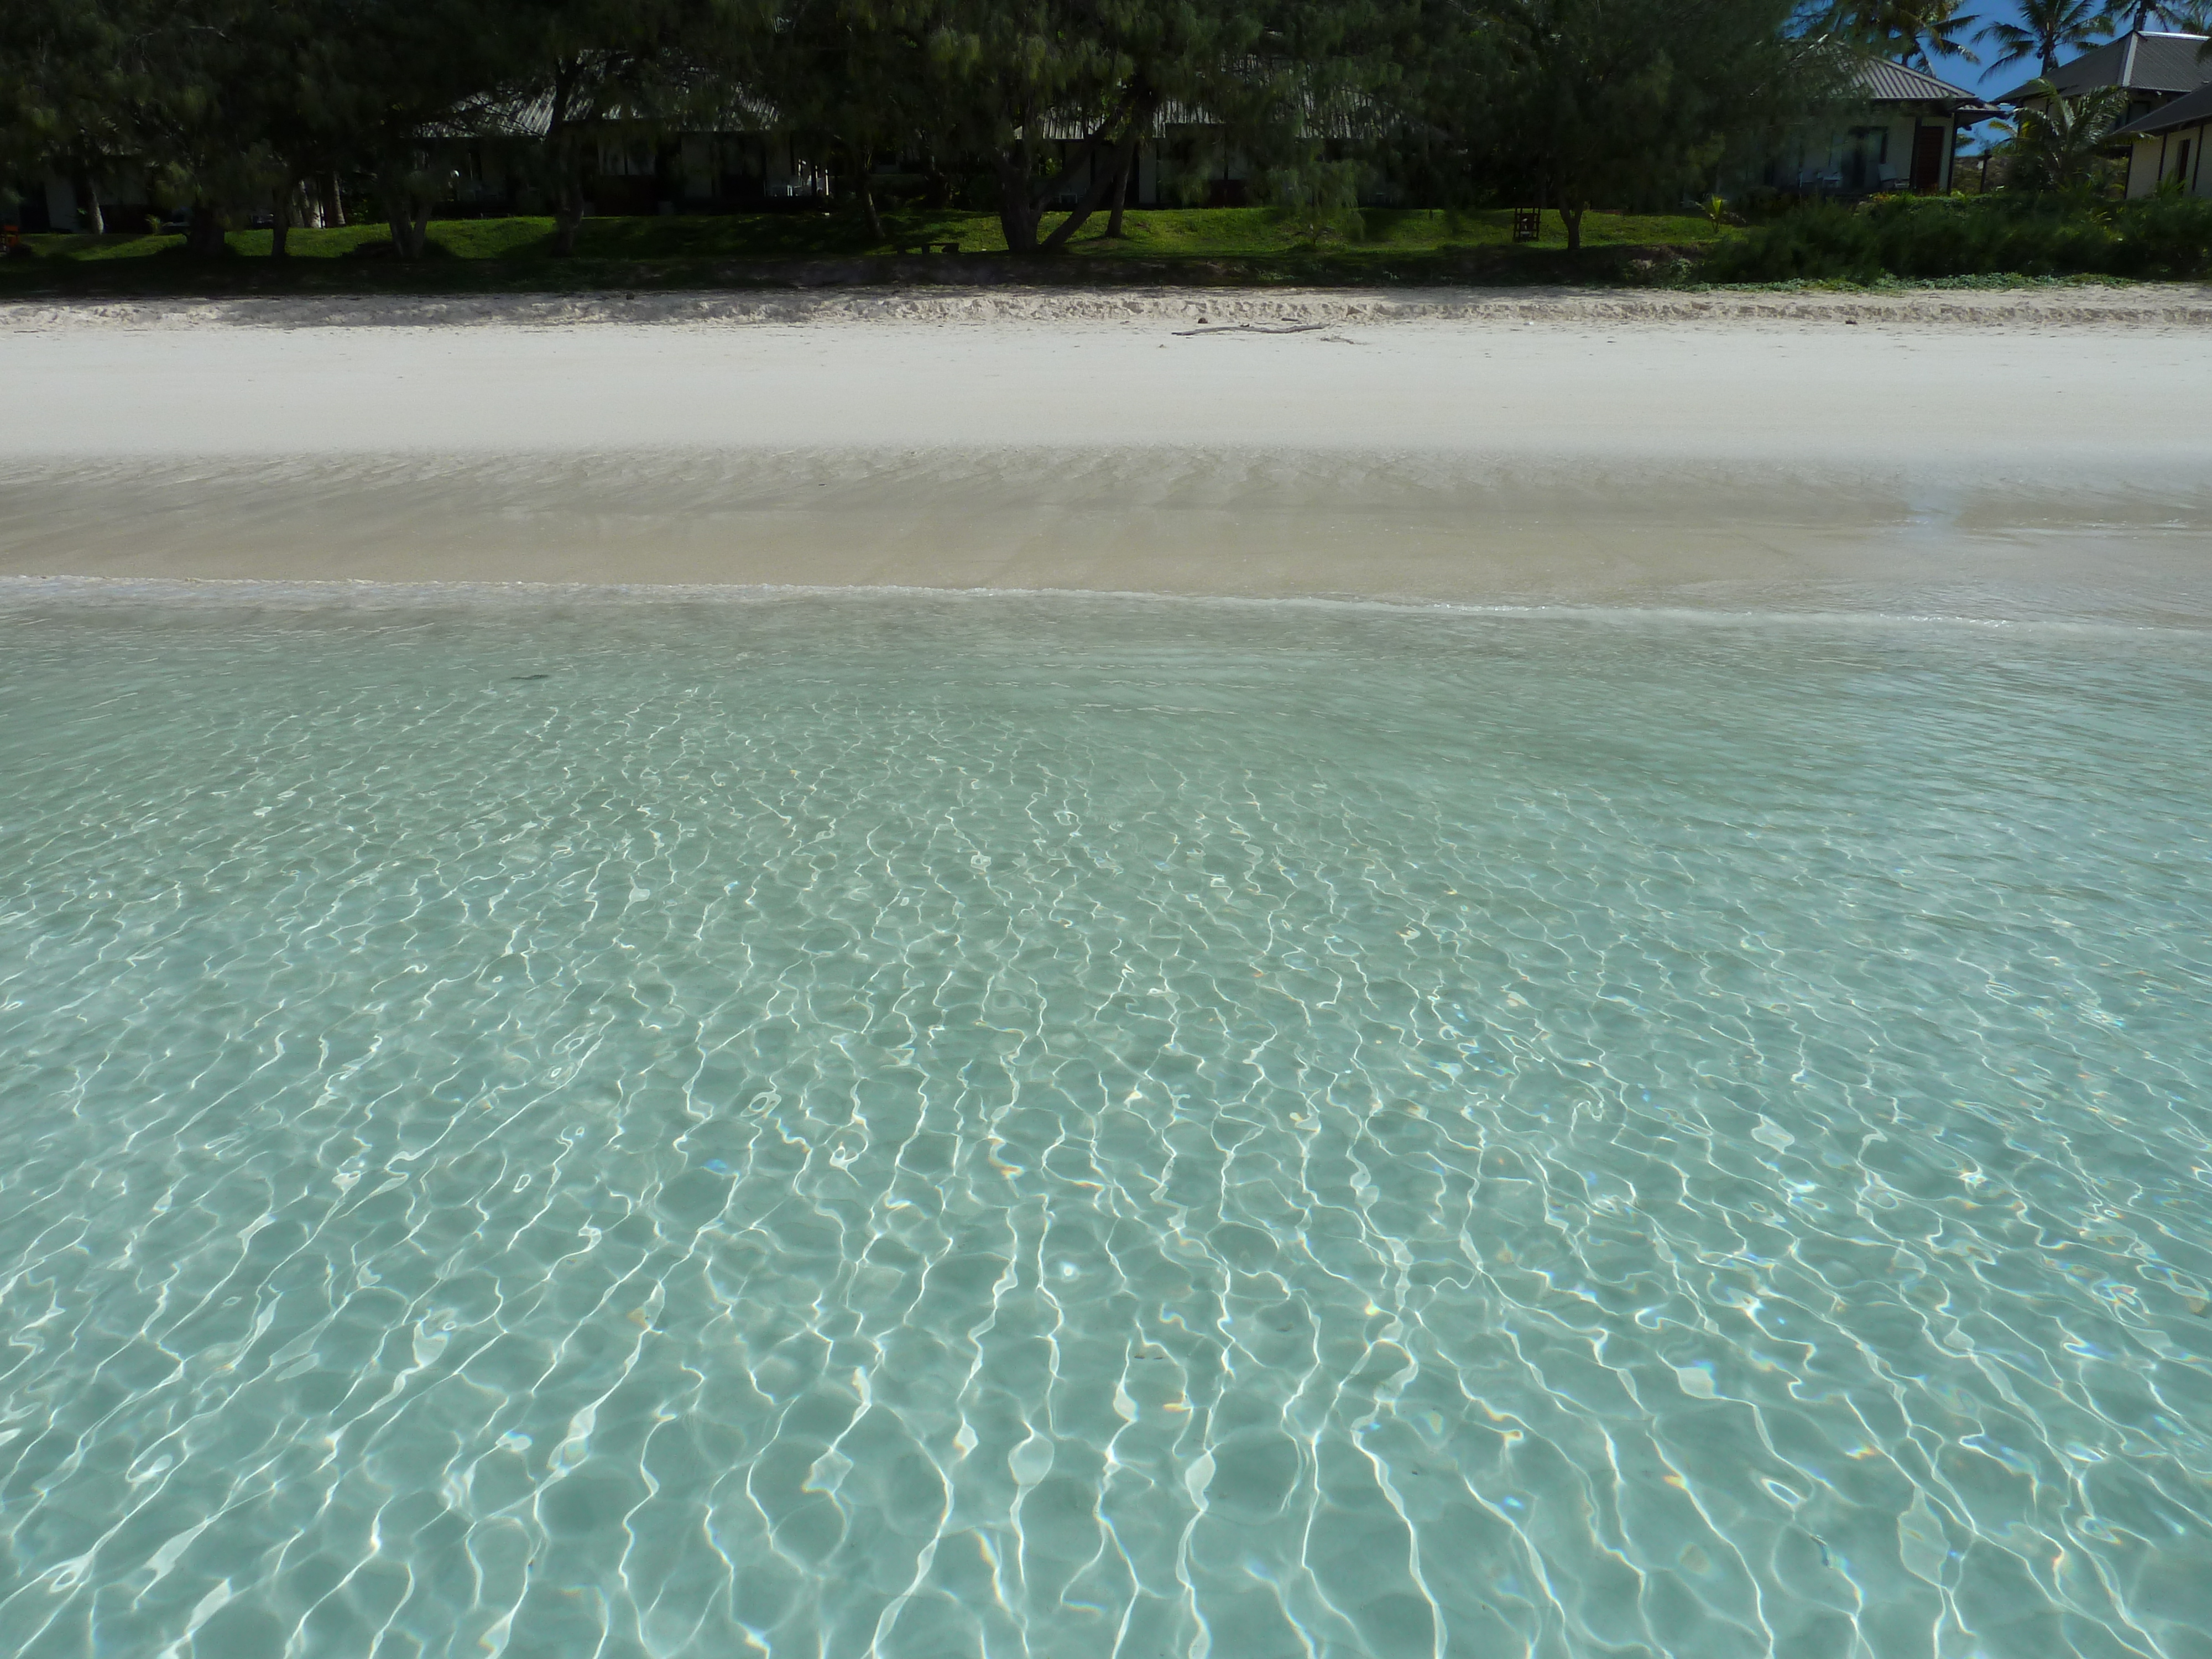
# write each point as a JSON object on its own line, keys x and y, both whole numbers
{"x": 1065, "y": 1129}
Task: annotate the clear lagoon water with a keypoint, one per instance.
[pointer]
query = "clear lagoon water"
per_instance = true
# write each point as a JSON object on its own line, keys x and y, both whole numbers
{"x": 1058, "y": 1127}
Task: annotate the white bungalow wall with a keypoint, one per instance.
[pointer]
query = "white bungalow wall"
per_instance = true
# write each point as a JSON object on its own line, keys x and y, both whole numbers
{"x": 1870, "y": 155}
{"x": 2170, "y": 157}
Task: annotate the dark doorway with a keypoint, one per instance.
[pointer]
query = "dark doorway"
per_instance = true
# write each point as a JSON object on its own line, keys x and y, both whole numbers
{"x": 1927, "y": 159}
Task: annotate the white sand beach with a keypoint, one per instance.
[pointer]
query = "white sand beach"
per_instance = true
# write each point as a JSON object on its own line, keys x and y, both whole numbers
{"x": 2033, "y": 455}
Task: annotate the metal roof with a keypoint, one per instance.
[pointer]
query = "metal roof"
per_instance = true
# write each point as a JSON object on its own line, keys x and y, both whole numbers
{"x": 2140, "y": 61}
{"x": 531, "y": 116}
{"x": 2193, "y": 110}
{"x": 1886, "y": 83}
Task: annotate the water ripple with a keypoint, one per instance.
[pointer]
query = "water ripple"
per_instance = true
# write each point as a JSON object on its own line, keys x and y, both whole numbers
{"x": 909, "y": 1127}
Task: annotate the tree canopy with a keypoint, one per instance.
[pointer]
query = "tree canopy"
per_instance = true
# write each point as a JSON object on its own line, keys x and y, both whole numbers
{"x": 1590, "y": 102}
{"x": 1037, "y": 106}
{"x": 1915, "y": 31}
{"x": 2047, "y": 33}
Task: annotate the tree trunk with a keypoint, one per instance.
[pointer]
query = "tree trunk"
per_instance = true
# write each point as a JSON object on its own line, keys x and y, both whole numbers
{"x": 333, "y": 202}
{"x": 1093, "y": 198}
{"x": 280, "y": 222}
{"x": 567, "y": 196}
{"x": 863, "y": 168}
{"x": 204, "y": 233}
{"x": 1018, "y": 217}
{"x": 568, "y": 219}
{"x": 90, "y": 219}
{"x": 1021, "y": 198}
{"x": 1571, "y": 217}
{"x": 567, "y": 163}
{"x": 410, "y": 221}
{"x": 1121, "y": 196}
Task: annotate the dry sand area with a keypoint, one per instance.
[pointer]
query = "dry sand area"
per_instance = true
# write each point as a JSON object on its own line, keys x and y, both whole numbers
{"x": 2033, "y": 455}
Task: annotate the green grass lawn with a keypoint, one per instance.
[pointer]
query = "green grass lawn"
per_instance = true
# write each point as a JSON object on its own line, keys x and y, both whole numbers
{"x": 1216, "y": 244}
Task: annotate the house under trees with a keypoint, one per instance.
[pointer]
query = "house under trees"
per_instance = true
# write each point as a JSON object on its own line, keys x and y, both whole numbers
{"x": 2167, "y": 79}
{"x": 1902, "y": 135}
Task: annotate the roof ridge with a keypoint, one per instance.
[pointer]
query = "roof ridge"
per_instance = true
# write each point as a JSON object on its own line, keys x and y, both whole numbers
{"x": 1887, "y": 77}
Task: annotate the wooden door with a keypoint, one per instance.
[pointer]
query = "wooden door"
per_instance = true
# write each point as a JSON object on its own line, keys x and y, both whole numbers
{"x": 1928, "y": 159}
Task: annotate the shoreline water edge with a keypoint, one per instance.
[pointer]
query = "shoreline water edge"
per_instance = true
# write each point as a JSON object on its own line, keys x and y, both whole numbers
{"x": 1993, "y": 456}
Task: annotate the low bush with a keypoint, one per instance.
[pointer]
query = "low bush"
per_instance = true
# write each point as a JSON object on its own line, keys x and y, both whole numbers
{"x": 2166, "y": 235}
{"x": 1964, "y": 236}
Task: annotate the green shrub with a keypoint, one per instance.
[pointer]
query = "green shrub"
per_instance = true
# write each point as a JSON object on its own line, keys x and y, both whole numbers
{"x": 1927, "y": 237}
{"x": 2166, "y": 235}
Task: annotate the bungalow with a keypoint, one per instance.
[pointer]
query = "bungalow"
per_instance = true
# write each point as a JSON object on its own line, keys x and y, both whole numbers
{"x": 2166, "y": 77}
{"x": 2167, "y": 146}
{"x": 120, "y": 198}
{"x": 1902, "y": 136}
{"x": 2155, "y": 69}
{"x": 1188, "y": 157}
{"x": 635, "y": 166}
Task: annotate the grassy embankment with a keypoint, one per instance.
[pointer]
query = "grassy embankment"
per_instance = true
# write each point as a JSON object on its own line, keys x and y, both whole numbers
{"x": 1199, "y": 246}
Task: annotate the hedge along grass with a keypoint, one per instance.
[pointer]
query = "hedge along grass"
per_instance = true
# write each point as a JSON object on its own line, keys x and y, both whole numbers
{"x": 1933, "y": 237}
{"x": 1273, "y": 230}
{"x": 1150, "y": 233}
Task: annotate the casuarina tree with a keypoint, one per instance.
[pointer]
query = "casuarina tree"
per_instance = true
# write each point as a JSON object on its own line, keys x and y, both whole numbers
{"x": 571, "y": 67}
{"x": 68, "y": 94}
{"x": 396, "y": 75}
{"x": 1613, "y": 101}
{"x": 849, "y": 79}
{"x": 1051, "y": 95}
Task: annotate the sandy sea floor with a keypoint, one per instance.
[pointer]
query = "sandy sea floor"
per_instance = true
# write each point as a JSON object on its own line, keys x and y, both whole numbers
{"x": 549, "y": 1120}
{"x": 2038, "y": 454}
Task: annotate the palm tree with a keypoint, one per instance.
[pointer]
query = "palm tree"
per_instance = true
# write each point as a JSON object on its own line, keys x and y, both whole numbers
{"x": 2182, "y": 16}
{"x": 1912, "y": 31}
{"x": 2059, "y": 142}
{"x": 2048, "y": 30}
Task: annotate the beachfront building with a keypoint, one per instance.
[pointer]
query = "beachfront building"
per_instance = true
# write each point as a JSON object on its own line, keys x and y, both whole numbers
{"x": 120, "y": 198}
{"x": 2153, "y": 68}
{"x": 739, "y": 162}
{"x": 2168, "y": 81}
{"x": 1188, "y": 157}
{"x": 1189, "y": 163}
{"x": 1902, "y": 136}
{"x": 2166, "y": 147}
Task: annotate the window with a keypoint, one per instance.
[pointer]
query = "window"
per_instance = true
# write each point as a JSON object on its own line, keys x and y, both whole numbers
{"x": 1865, "y": 151}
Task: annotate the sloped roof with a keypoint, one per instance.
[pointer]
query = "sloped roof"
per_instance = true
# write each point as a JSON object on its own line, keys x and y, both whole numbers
{"x": 1323, "y": 111}
{"x": 530, "y": 115}
{"x": 1886, "y": 83}
{"x": 2140, "y": 61}
{"x": 2192, "y": 110}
